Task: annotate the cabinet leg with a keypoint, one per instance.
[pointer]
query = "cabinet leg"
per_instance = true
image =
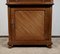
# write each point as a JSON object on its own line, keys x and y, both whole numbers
{"x": 49, "y": 45}
{"x": 10, "y": 45}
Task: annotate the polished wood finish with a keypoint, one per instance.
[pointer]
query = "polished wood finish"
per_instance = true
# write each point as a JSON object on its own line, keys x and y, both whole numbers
{"x": 30, "y": 22}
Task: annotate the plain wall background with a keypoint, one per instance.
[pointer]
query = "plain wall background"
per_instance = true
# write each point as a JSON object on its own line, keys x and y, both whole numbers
{"x": 56, "y": 18}
{"x": 4, "y": 18}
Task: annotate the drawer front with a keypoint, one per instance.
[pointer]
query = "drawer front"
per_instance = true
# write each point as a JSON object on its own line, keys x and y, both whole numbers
{"x": 30, "y": 24}
{"x": 25, "y": 0}
{"x": 30, "y": 0}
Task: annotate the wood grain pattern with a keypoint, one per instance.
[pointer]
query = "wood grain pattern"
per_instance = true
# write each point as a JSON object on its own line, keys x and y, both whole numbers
{"x": 30, "y": 0}
{"x": 30, "y": 25}
{"x": 22, "y": 2}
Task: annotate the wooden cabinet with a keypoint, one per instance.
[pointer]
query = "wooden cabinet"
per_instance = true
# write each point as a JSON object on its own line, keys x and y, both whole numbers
{"x": 30, "y": 22}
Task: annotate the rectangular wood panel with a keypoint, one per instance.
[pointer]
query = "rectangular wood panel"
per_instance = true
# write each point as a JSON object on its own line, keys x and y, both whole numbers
{"x": 30, "y": 0}
{"x": 25, "y": 0}
{"x": 29, "y": 25}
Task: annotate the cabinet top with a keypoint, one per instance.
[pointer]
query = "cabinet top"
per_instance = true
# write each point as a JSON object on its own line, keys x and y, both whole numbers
{"x": 18, "y": 2}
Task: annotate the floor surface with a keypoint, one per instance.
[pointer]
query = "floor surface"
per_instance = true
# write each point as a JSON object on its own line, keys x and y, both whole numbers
{"x": 30, "y": 50}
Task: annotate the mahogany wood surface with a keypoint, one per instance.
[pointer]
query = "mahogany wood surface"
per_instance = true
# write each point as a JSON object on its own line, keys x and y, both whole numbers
{"x": 30, "y": 22}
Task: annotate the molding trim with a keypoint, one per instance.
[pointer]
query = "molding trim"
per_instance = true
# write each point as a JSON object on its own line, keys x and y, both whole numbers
{"x": 52, "y": 36}
{"x": 3, "y": 36}
{"x": 55, "y": 36}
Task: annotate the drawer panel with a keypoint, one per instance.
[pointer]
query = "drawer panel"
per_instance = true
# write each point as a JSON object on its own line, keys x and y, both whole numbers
{"x": 30, "y": 0}
{"x": 25, "y": 0}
